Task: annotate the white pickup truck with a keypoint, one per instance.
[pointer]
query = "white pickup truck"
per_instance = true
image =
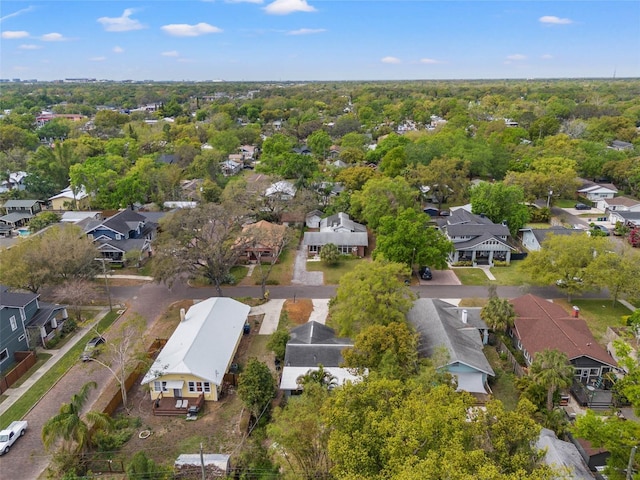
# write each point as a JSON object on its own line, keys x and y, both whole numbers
{"x": 9, "y": 436}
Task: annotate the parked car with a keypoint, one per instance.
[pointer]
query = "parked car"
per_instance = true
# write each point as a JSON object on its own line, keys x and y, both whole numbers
{"x": 562, "y": 283}
{"x": 582, "y": 206}
{"x": 602, "y": 228}
{"x": 425, "y": 273}
{"x": 92, "y": 348}
{"x": 12, "y": 433}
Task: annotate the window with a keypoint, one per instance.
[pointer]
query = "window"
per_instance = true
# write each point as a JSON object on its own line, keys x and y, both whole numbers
{"x": 21, "y": 338}
{"x": 160, "y": 386}
{"x": 4, "y": 354}
{"x": 313, "y": 248}
{"x": 594, "y": 372}
{"x": 200, "y": 387}
{"x": 14, "y": 324}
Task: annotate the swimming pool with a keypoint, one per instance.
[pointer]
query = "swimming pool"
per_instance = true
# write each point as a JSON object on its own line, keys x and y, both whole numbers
{"x": 23, "y": 232}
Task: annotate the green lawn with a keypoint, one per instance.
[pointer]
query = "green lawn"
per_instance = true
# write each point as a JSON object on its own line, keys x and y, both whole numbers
{"x": 598, "y": 313}
{"x": 19, "y": 409}
{"x": 511, "y": 275}
{"x": 564, "y": 203}
{"x": 41, "y": 359}
{"x": 471, "y": 276}
{"x": 239, "y": 272}
{"x": 282, "y": 272}
{"x": 332, "y": 274}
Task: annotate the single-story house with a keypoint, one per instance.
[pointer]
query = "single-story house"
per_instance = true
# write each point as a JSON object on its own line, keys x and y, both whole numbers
{"x": 75, "y": 217}
{"x": 462, "y": 333}
{"x": 262, "y": 241}
{"x": 532, "y": 238}
{"x": 350, "y": 237}
{"x": 620, "y": 145}
{"x": 595, "y": 191}
{"x": 543, "y": 325}
{"x": 476, "y": 238}
{"x": 249, "y": 153}
{"x": 68, "y": 199}
{"x": 621, "y": 203}
{"x": 630, "y": 219}
{"x": 563, "y": 456}
{"x": 283, "y": 190}
{"x": 196, "y": 357}
{"x": 310, "y": 345}
{"x": 232, "y": 166}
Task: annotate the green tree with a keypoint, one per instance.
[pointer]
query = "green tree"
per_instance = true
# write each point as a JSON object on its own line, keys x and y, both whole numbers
{"x": 355, "y": 177}
{"x": 390, "y": 349}
{"x": 617, "y": 271}
{"x": 278, "y": 343}
{"x": 143, "y": 468}
{"x": 564, "y": 260}
{"x": 256, "y": 387}
{"x": 552, "y": 370}
{"x": 301, "y": 435}
{"x": 330, "y": 255}
{"x": 69, "y": 429}
{"x": 319, "y": 143}
{"x": 500, "y": 202}
{"x": 446, "y": 178}
{"x": 42, "y": 220}
{"x": 380, "y": 197}
{"x": 406, "y": 238}
{"x": 54, "y": 163}
{"x": 372, "y": 293}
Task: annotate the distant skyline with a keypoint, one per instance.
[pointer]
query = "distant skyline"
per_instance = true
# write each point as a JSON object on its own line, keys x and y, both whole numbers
{"x": 305, "y": 40}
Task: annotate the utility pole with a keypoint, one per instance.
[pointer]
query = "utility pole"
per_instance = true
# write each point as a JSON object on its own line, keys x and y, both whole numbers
{"x": 630, "y": 466}
{"x": 202, "y": 461}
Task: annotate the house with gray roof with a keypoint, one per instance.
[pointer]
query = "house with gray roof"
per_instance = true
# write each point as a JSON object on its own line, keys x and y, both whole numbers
{"x": 19, "y": 212}
{"x": 350, "y": 237}
{"x": 461, "y": 333}
{"x": 630, "y": 219}
{"x": 476, "y": 238}
{"x": 311, "y": 345}
{"x": 621, "y": 203}
{"x": 532, "y": 238}
{"x": 562, "y": 456}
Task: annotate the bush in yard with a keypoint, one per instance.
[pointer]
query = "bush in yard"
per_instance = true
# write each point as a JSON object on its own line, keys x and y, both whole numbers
{"x": 278, "y": 343}
{"x": 330, "y": 255}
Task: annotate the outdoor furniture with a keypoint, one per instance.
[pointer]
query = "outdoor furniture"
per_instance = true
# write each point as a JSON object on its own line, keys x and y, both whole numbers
{"x": 185, "y": 403}
{"x": 179, "y": 403}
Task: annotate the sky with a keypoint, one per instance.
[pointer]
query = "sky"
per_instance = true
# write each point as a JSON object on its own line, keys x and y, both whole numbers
{"x": 305, "y": 40}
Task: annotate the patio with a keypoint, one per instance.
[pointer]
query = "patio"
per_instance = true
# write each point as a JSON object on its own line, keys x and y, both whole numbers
{"x": 177, "y": 406}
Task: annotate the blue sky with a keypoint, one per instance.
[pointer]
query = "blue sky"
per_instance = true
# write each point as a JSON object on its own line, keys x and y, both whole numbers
{"x": 255, "y": 40}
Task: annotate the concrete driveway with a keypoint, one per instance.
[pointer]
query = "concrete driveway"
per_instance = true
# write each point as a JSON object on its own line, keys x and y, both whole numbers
{"x": 441, "y": 277}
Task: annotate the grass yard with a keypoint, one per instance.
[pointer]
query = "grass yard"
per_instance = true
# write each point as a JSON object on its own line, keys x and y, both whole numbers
{"x": 564, "y": 203}
{"x": 511, "y": 275}
{"x": 298, "y": 312}
{"x": 41, "y": 359}
{"x": 282, "y": 272}
{"x": 19, "y": 409}
{"x": 333, "y": 274}
{"x": 471, "y": 276}
{"x": 598, "y": 313}
{"x": 503, "y": 385}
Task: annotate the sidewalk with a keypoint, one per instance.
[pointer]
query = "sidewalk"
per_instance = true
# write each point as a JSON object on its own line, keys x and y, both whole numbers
{"x": 13, "y": 394}
{"x": 128, "y": 277}
{"x": 628, "y": 305}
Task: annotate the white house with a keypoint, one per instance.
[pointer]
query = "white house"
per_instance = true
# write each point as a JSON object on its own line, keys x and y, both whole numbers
{"x": 283, "y": 189}
{"x": 14, "y": 182}
{"x": 350, "y": 237}
{"x": 196, "y": 357}
{"x": 595, "y": 192}
{"x": 622, "y": 203}
{"x": 532, "y": 238}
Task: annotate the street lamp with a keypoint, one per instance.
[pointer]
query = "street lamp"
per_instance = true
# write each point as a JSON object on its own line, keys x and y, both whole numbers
{"x": 549, "y": 198}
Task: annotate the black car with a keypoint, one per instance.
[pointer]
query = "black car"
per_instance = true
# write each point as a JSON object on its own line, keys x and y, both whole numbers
{"x": 582, "y": 206}
{"x": 91, "y": 348}
{"x": 425, "y": 273}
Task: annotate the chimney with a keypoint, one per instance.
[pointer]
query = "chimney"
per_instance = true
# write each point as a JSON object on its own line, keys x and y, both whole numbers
{"x": 183, "y": 315}
{"x": 465, "y": 316}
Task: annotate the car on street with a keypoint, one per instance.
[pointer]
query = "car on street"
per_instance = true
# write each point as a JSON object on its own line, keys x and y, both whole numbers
{"x": 92, "y": 348}
{"x": 425, "y": 273}
{"x": 582, "y": 206}
{"x": 12, "y": 433}
{"x": 605, "y": 231}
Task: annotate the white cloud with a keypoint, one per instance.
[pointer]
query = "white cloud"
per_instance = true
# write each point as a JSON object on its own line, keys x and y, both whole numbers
{"x": 516, "y": 57}
{"x": 306, "y": 31}
{"x": 118, "y": 49}
{"x": 553, "y": 20}
{"x": 429, "y": 61}
{"x": 9, "y": 35}
{"x": 185, "y": 30}
{"x": 240, "y": 1}
{"x": 30, "y": 8}
{"x": 53, "y": 37}
{"x": 29, "y": 47}
{"x": 123, "y": 23}
{"x": 546, "y": 56}
{"x": 392, "y": 60}
{"x": 97, "y": 59}
{"x": 172, "y": 53}
{"x": 285, "y": 7}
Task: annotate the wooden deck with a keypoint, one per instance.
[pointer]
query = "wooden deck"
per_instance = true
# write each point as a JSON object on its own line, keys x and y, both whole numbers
{"x": 169, "y": 405}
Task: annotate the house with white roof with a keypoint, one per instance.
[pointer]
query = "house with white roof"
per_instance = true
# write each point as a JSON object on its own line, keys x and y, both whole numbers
{"x": 621, "y": 203}
{"x": 15, "y": 181}
{"x": 350, "y": 237}
{"x": 595, "y": 191}
{"x": 69, "y": 199}
{"x": 195, "y": 359}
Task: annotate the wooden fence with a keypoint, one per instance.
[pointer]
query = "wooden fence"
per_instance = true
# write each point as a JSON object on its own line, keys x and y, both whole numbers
{"x": 518, "y": 369}
{"x": 25, "y": 360}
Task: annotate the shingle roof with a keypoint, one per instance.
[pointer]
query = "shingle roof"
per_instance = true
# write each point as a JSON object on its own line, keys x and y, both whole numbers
{"x": 358, "y": 239}
{"x": 20, "y": 203}
{"x": 204, "y": 343}
{"x": 45, "y": 312}
{"x": 341, "y": 220}
{"x": 313, "y": 344}
{"x": 484, "y": 237}
{"x": 541, "y": 325}
{"x": 562, "y": 455}
{"x": 541, "y": 233}
{"x": 16, "y": 299}
{"x": 439, "y": 325}
{"x": 622, "y": 200}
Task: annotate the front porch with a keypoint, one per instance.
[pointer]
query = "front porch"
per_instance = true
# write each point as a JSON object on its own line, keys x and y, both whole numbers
{"x": 177, "y": 406}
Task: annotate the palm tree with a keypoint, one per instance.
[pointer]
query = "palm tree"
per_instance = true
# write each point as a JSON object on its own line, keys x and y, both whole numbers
{"x": 498, "y": 313}
{"x": 320, "y": 377}
{"x": 69, "y": 428}
{"x": 551, "y": 369}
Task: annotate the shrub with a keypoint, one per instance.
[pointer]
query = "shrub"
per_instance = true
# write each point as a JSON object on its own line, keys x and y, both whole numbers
{"x": 69, "y": 326}
{"x": 463, "y": 263}
{"x": 500, "y": 263}
{"x": 111, "y": 441}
